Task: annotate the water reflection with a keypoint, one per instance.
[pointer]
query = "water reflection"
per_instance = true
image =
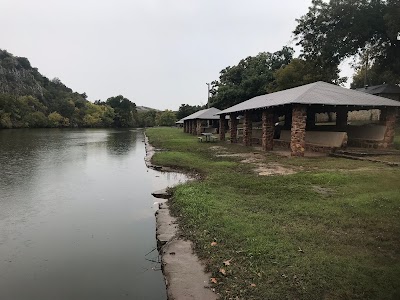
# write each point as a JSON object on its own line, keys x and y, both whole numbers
{"x": 76, "y": 216}
{"x": 121, "y": 142}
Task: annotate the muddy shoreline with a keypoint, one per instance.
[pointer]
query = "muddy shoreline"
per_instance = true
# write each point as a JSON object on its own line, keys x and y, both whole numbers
{"x": 183, "y": 272}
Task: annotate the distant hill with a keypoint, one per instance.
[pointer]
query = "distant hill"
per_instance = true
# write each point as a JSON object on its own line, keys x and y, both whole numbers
{"x": 29, "y": 99}
{"x": 19, "y": 78}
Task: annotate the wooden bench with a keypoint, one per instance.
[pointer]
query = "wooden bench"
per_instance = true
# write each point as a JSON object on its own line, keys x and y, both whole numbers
{"x": 200, "y": 138}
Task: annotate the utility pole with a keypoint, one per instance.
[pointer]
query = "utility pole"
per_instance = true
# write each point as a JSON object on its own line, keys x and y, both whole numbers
{"x": 208, "y": 95}
{"x": 366, "y": 72}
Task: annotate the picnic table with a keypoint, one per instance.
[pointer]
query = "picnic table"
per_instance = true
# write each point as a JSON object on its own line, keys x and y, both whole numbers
{"x": 208, "y": 137}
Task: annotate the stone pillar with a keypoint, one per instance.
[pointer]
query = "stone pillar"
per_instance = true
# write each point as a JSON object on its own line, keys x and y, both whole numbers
{"x": 247, "y": 128}
{"x": 198, "y": 127}
{"x": 184, "y": 126}
{"x": 194, "y": 130}
{"x": 341, "y": 118}
{"x": 298, "y": 131}
{"x": 389, "y": 120}
{"x": 191, "y": 127}
{"x": 267, "y": 129}
{"x": 233, "y": 127}
{"x": 222, "y": 127}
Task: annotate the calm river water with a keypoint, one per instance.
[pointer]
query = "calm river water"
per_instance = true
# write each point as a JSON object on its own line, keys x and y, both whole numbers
{"x": 77, "y": 216}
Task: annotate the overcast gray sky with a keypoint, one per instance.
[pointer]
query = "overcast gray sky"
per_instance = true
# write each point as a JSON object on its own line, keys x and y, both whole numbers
{"x": 157, "y": 53}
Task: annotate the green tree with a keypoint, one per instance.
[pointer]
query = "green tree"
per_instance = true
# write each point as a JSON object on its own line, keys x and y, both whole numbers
{"x": 331, "y": 32}
{"x": 125, "y": 111}
{"x": 147, "y": 118}
{"x": 57, "y": 120}
{"x": 186, "y": 110}
{"x": 35, "y": 119}
{"x": 5, "y": 120}
{"x": 94, "y": 115}
{"x": 249, "y": 78}
{"x": 165, "y": 118}
{"x": 299, "y": 72}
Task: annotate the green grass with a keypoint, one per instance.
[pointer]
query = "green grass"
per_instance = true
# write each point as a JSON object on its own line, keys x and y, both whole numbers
{"x": 283, "y": 234}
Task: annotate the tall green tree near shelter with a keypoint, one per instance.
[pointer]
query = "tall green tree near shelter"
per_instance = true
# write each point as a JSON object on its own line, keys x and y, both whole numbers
{"x": 333, "y": 31}
{"x": 249, "y": 78}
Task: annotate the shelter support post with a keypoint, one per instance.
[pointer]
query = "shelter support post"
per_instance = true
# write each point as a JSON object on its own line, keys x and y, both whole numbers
{"x": 233, "y": 127}
{"x": 193, "y": 127}
{"x": 341, "y": 118}
{"x": 198, "y": 127}
{"x": 267, "y": 129}
{"x": 388, "y": 118}
{"x": 247, "y": 128}
{"x": 298, "y": 131}
{"x": 193, "y": 124}
{"x": 222, "y": 127}
{"x": 185, "y": 126}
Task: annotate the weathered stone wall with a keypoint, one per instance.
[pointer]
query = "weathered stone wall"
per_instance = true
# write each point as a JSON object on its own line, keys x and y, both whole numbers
{"x": 247, "y": 128}
{"x": 298, "y": 131}
{"x": 308, "y": 147}
{"x": 233, "y": 127}
{"x": 198, "y": 127}
{"x": 390, "y": 123}
{"x": 190, "y": 126}
{"x": 222, "y": 127}
{"x": 267, "y": 129}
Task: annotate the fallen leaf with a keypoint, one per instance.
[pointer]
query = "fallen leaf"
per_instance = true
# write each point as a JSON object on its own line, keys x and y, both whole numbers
{"x": 214, "y": 244}
{"x": 227, "y": 262}
{"x": 222, "y": 271}
{"x": 253, "y": 285}
{"x": 213, "y": 280}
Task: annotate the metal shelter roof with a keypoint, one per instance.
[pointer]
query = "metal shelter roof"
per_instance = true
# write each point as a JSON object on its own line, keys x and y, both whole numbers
{"x": 320, "y": 93}
{"x": 381, "y": 89}
{"x": 204, "y": 114}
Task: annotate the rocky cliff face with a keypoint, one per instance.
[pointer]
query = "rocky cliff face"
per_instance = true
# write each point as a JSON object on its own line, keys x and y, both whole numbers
{"x": 19, "y": 81}
{"x": 19, "y": 78}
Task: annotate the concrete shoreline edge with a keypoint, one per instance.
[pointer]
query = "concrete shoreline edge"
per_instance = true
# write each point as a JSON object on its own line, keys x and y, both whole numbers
{"x": 183, "y": 272}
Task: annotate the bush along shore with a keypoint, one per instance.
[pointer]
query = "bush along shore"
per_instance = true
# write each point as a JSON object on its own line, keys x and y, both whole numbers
{"x": 272, "y": 227}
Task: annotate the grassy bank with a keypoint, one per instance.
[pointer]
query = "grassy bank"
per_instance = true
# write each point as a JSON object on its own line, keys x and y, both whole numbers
{"x": 329, "y": 231}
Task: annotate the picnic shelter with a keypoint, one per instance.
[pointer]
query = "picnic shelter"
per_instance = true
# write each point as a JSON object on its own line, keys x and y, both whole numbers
{"x": 298, "y": 107}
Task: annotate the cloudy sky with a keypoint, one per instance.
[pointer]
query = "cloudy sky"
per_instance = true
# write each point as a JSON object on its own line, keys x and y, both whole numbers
{"x": 157, "y": 53}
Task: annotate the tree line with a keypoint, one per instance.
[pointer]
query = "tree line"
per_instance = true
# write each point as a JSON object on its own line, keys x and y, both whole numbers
{"x": 367, "y": 31}
{"x": 30, "y": 100}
